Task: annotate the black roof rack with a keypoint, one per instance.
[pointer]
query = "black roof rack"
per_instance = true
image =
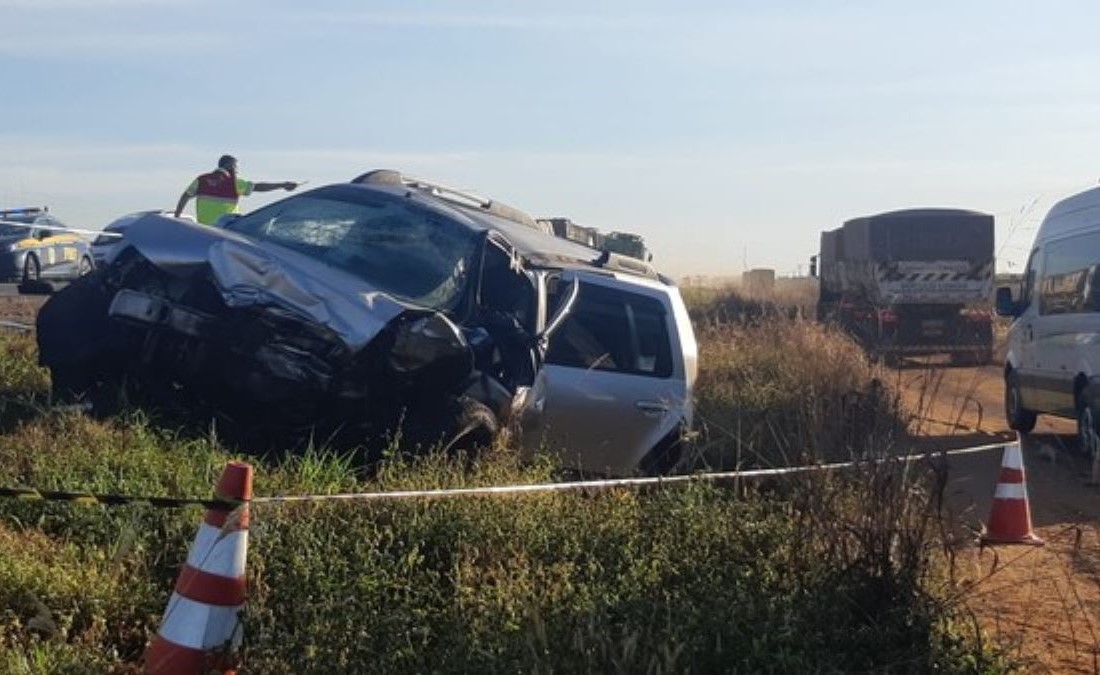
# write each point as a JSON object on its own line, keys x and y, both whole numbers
{"x": 453, "y": 195}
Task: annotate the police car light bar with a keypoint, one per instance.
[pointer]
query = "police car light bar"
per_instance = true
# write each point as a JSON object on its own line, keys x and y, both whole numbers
{"x": 24, "y": 211}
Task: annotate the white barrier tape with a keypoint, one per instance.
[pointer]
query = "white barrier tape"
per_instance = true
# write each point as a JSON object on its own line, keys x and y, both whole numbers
{"x": 15, "y": 325}
{"x": 219, "y": 553}
{"x": 661, "y": 481}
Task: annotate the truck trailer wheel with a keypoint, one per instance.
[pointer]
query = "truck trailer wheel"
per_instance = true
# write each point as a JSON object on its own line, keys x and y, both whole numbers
{"x": 1019, "y": 418}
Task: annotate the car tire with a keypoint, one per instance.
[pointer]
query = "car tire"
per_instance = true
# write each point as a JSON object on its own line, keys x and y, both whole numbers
{"x": 460, "y": 425}
{"x": 1019, "y": 418}
{"x": 472, "y": 426}
{"x": 78, "y": 386}
{"x": 669, "y": 455}
{"x": 1088, "y": 423}
{"x": 85, "y": 267}
{"x": 32, "y": 269}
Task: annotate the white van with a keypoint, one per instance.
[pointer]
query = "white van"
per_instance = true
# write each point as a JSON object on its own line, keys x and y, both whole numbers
{"x": 1053, "y": 360}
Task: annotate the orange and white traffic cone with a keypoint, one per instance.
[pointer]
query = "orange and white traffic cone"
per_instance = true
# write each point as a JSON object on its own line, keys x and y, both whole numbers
{"x": 201, "y": 626}
{"x": 1010, "y": 517}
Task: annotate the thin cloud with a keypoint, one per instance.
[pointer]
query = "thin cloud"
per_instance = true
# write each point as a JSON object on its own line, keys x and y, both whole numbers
{"x": 478, "y": 20}
{"x": 49, "y": 5}
{"x": 99, "y": 45}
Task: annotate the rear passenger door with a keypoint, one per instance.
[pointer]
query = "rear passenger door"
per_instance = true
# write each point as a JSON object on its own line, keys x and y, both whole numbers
{"x": 611, "y": 387}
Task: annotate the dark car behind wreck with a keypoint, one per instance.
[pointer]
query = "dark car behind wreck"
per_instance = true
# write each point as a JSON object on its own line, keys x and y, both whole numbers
{"x": 359, "y": 310}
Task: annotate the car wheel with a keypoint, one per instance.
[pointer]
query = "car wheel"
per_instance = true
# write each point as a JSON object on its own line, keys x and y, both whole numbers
{"x": 1019, "y": 418}
{"x": 669, "y": 455}
{"x": 76, "y": 385}
{"x": 1088, "y": 434}
{"x": 472, "y": 426}
{"x": 85, "y": 267}
{"x": 459, "y": 425}
{"x": 32, "y": 270}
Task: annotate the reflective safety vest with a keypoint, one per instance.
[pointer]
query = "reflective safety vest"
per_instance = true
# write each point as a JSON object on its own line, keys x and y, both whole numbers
{"x": 216, "y": 194}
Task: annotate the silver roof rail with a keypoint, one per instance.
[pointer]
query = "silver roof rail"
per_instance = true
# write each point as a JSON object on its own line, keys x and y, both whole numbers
{"x": 450, "y": 194}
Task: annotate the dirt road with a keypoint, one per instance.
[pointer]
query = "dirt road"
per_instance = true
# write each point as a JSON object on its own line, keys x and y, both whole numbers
{"x": 1043, "y": 604}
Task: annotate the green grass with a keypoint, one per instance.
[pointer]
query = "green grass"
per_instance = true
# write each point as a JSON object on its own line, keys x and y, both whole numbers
{"x": 809, "y": 574}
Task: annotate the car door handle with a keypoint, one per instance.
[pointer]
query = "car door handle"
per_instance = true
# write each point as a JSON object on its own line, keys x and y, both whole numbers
{"x": 651, "y": 407}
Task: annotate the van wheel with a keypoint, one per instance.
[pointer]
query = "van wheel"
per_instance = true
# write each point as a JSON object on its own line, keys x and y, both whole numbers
{"x": 1019, "y": 418}
{"x": 1088, "y": 434}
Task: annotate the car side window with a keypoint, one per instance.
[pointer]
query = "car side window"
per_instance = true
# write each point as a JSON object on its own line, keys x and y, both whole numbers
{"x": 613, "y": 330}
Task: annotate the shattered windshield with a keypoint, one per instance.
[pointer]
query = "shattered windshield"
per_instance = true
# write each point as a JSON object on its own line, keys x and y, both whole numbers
{"x": 408, "y": 253}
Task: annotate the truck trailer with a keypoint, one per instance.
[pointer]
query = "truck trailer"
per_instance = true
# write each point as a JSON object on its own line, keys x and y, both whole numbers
{"x": 911, "y": 283}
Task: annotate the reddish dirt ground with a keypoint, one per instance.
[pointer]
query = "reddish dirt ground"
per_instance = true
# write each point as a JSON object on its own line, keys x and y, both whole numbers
{"x": 1040, "y": 603}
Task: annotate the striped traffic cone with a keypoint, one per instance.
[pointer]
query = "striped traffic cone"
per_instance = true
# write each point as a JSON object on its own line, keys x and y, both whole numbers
{"x": 1010, "y": 517}
{"x": 201, "y": 626}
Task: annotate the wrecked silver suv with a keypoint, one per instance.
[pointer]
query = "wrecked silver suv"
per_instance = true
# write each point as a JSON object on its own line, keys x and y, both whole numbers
{"x": 380, "y": 306}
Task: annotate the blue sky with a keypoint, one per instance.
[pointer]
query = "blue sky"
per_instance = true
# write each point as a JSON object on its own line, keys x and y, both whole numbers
{"x": 724, "y": 132}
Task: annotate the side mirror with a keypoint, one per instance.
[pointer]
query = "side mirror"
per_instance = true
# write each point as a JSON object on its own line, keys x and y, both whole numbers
{"x": 813, "y": 266}
{"x": 41, "y": 234}
{"x": 1005, "y": 305}
{"x": 564, "y": 308}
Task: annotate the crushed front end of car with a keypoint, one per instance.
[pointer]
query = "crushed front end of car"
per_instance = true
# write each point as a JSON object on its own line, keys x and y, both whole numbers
{"x": 278, "y": 337}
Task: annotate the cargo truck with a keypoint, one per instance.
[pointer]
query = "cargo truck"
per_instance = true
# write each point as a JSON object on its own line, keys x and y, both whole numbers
{"x": 912, "y": 282}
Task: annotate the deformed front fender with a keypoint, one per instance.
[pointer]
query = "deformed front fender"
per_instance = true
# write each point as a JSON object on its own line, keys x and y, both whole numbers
{"x": 429, "y": 349}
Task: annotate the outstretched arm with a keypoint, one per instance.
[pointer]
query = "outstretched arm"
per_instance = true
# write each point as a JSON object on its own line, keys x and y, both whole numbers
{"x": 182, "y": 204}
{"x": 268, "y": 187}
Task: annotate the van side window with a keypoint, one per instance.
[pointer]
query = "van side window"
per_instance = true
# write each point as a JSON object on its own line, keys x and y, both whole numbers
{"x": 1071, "y": 276}
{"x": 1028, "y": 286}
{"x": 613, "y": 330}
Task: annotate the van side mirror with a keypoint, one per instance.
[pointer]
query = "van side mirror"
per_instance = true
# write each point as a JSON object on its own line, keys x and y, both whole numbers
{"x": 1005, "y": 305}
{"x": 813, "y": 266}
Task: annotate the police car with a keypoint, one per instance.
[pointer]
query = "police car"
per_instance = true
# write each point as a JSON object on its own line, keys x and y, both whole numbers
{"x": 37, "y": 247}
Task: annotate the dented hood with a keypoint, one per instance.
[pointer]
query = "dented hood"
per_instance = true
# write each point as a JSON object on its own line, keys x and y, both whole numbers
{"x": 251, "y": 275}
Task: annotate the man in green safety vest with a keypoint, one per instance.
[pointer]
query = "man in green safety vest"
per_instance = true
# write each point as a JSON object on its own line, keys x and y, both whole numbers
{"x": 217, "y": 193}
